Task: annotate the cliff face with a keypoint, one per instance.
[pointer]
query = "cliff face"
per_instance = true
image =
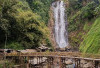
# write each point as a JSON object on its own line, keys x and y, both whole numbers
{"x": 58, "y": 24}
{"x": 51, "y": 28}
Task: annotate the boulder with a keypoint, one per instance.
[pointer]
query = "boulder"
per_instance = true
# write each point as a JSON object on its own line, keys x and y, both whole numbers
{"x": 88, "y": 65}
{"x": 68, "y": 62}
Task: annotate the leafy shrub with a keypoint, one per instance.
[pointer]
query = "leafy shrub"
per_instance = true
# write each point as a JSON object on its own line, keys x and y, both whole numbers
{"x": 15, "y": 45}
{"x": 1, "y": 66}
{"x": 97, "y": 11}
{"x": 41, "y": 7}
{"x": 91, "y": 42}
{"x": 87, "y": 11}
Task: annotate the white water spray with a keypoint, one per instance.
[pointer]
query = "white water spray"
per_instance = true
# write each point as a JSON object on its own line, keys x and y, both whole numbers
{"x": 60, "y": 28}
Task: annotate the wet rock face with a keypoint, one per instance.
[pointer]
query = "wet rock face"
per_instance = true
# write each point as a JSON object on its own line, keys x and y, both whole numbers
{"x": 68, "y": 62}
{"x": 66, "y": 49}
{"x": 51, "y": 28}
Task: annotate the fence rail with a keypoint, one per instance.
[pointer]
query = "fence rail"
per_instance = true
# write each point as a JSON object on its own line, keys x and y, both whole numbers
{"x": 67, "y": 54}
{"x": 50, "y": 59}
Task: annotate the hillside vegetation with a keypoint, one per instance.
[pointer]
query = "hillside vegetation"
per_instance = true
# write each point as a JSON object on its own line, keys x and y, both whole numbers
{"x": 91, "y": 43}
{"x": 23, "y": 23}
{"x": 82, "y": 25}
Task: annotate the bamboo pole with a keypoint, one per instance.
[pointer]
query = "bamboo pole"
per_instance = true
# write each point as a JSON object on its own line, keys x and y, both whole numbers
{"x": 27, "y": 61}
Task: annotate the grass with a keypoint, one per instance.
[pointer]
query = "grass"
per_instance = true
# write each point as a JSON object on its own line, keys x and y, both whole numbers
{"x": 91, "y": 42}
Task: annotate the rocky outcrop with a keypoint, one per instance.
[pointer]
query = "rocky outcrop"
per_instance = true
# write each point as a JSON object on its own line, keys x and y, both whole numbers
{"x": 51, "y": 29}
{"x": 87, "y": 64}
{"x": 68, "y": 62}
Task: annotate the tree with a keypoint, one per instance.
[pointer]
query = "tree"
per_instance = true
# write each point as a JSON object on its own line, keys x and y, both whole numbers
{"x": 25, "y": 28}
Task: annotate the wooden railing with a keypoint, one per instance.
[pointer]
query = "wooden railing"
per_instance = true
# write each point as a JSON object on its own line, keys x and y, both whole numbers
{"x": 24, "y": 58}
{"x": 67, "y": 54}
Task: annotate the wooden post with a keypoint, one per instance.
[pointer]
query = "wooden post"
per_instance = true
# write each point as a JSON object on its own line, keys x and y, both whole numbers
{"x": 79, "y": 64}
{"x": 96, "y": 64}
{"x": 64, "y": 62}
{"x": 40, "y": 65}
{"x": 75, "y": 63}
{"x": 37, "y": 60}
{"x": 52, "y": 60}
{"x": 21, "y": 62}
{"x": 33, "y": 60}
{"x": 27, "y": 62}
{"x": 60, "y": 58}
{"x": 48, "y": 61}
{"x": 24, "y": 61}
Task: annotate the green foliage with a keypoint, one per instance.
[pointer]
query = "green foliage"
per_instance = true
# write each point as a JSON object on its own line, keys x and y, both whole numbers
{"x": 23, "y": 25}
{"x": 80, "y": 21}
{"x": 91, "y": 42}
{"x": 74, "y": 4}
{"x": 88, "y": 10}
{"x": 1, "y": 66}
{"x": 41, "y": 7}
{"x": 97, "y": 11}
{"x": 85, "y": 13}
{"x": 96, "y": 1}
{"x": 14, "y": 45}
{"x": 86, "y": 27}
{"x": 7, "y": 63}
{"x": 74, "y": 40}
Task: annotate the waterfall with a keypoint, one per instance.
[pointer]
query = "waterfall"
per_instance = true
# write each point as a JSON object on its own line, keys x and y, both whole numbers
{"x": 60, "y": 27}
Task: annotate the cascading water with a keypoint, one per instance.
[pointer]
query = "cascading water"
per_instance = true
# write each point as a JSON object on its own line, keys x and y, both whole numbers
{"x": 60, "y": 28}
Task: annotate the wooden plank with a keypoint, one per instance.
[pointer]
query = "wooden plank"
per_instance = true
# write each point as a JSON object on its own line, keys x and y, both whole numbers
{"x": 72, "y": 55}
